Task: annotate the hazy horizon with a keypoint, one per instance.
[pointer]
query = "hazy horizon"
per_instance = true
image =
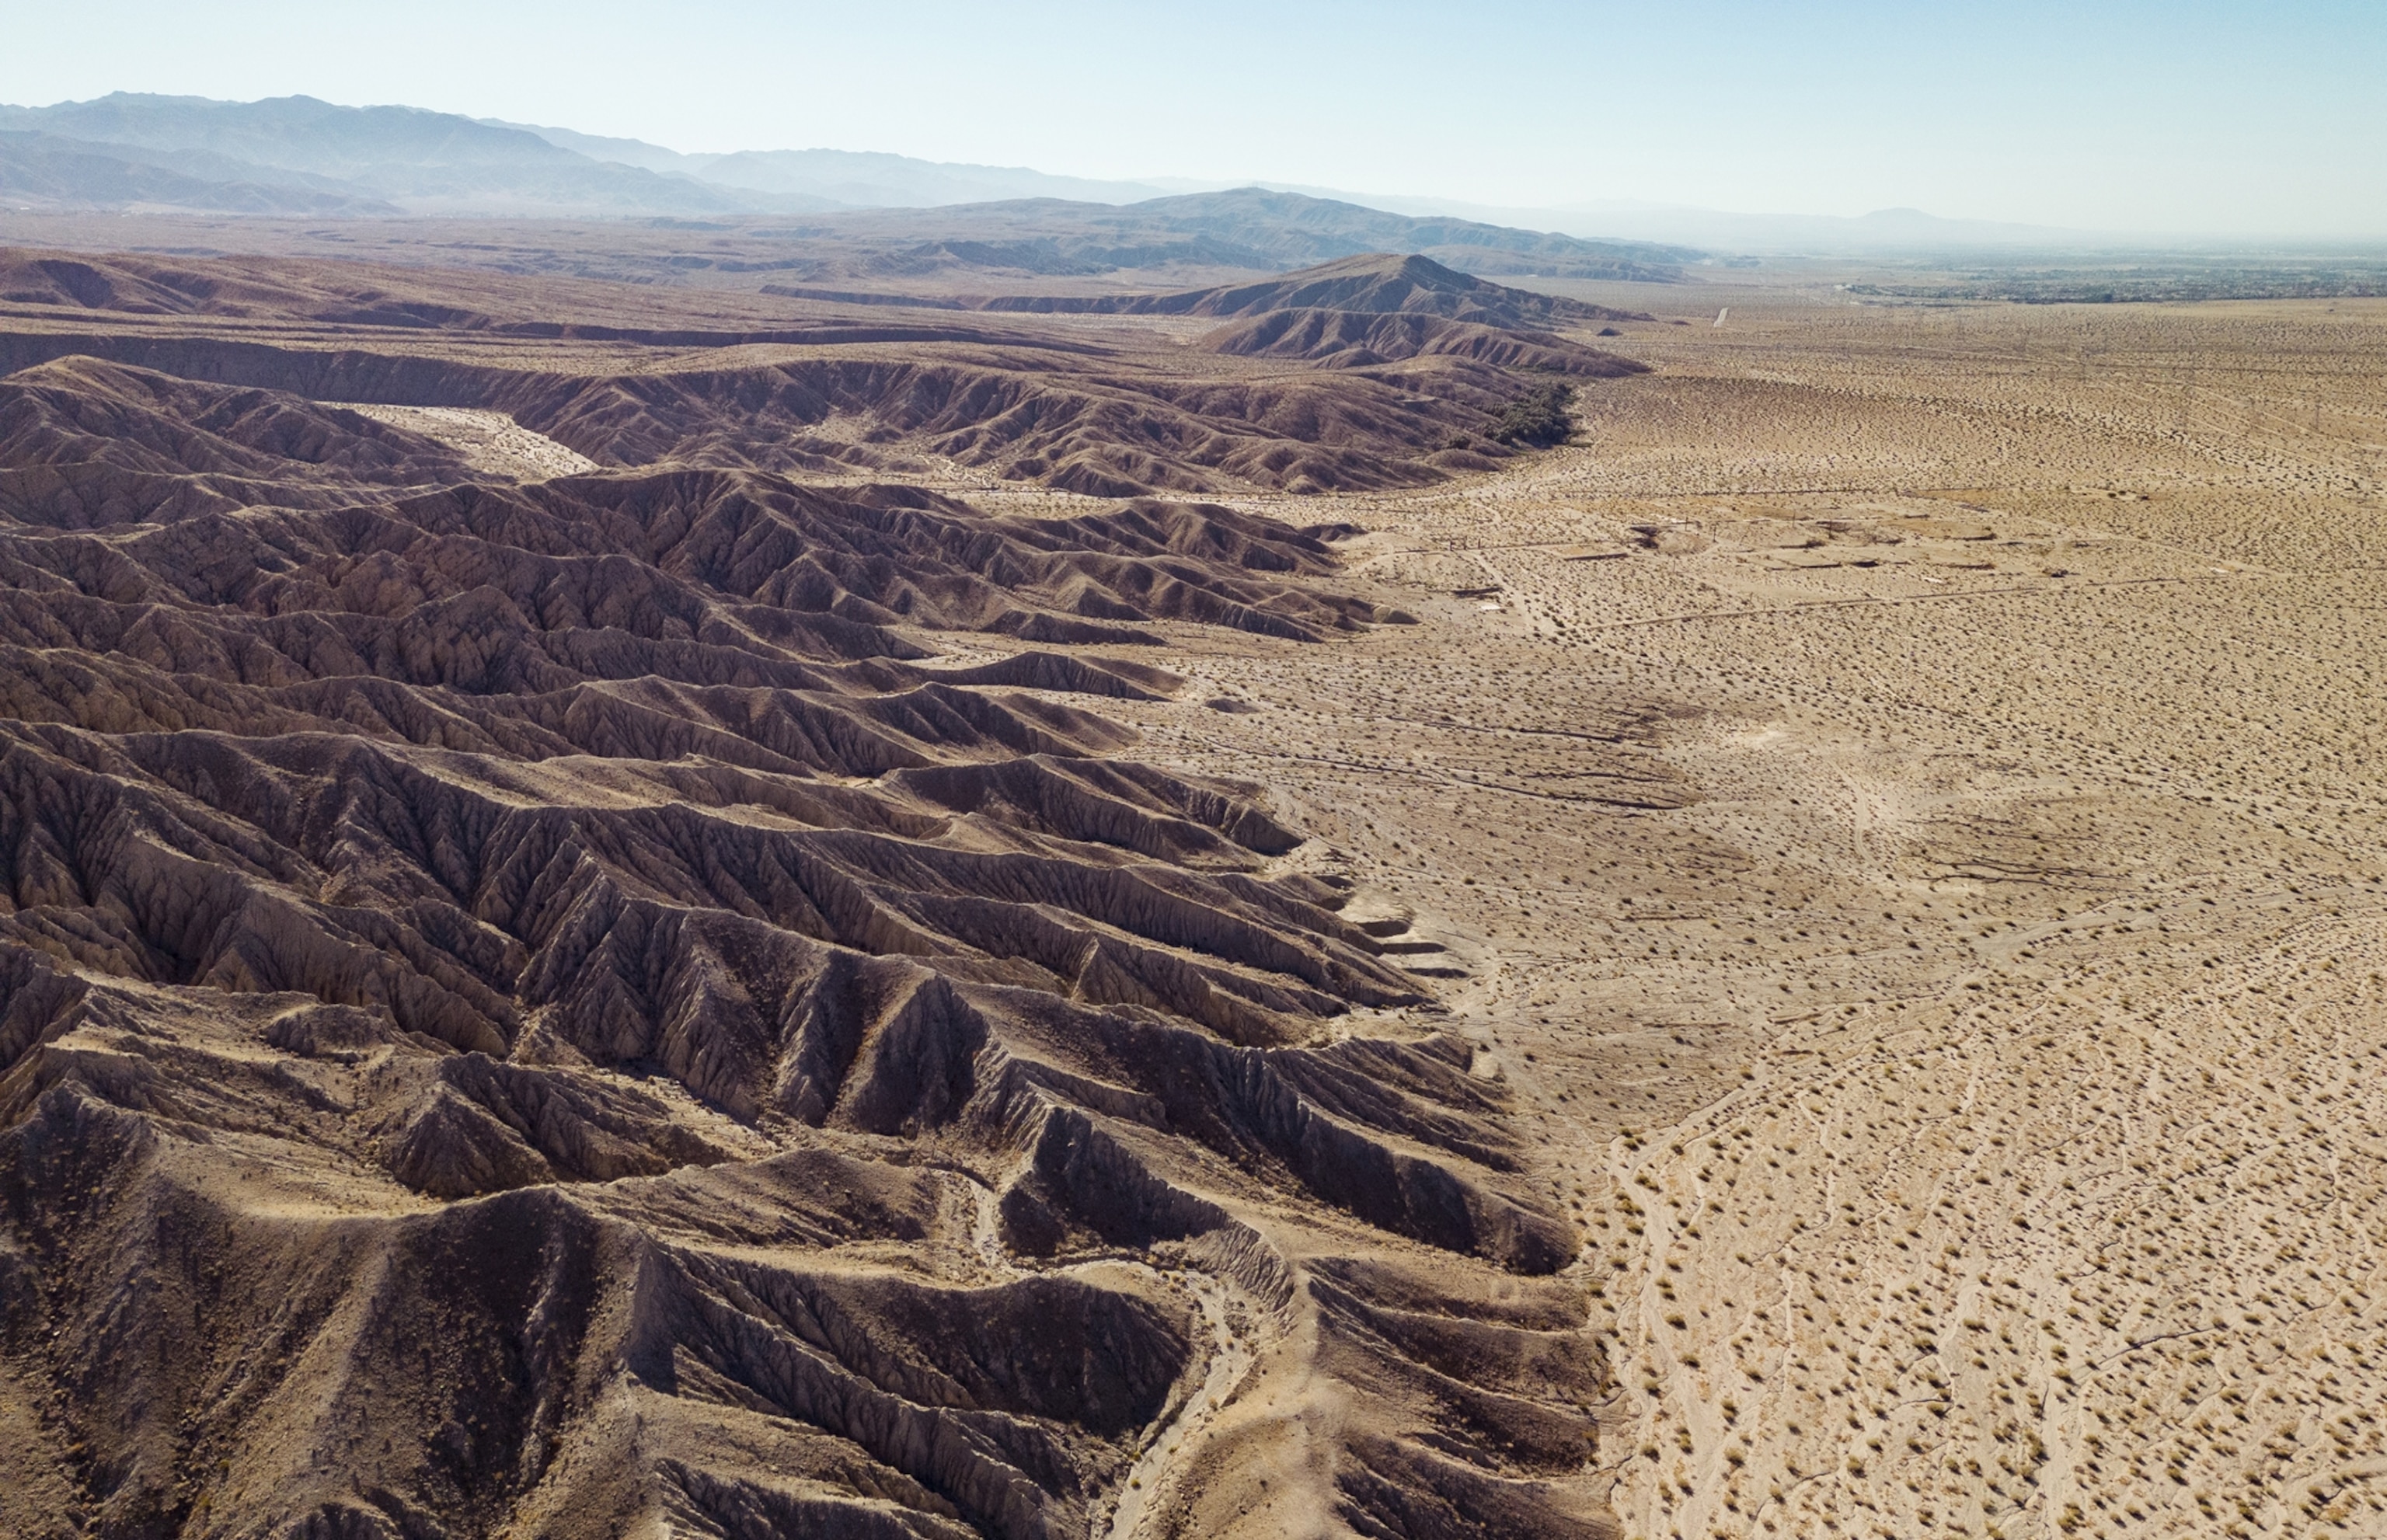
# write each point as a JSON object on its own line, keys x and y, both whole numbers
{"x": 2212, "y": 120}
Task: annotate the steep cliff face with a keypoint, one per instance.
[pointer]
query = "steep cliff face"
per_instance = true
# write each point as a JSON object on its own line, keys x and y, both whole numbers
{"x": 546, "y": 1009}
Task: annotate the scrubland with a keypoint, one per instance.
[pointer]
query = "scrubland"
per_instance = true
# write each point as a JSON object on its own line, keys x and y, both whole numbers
{"x": 1902, "y": 788}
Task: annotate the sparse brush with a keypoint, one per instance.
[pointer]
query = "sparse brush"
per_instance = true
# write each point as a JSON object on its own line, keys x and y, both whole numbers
{"x": 1538, "y": 417}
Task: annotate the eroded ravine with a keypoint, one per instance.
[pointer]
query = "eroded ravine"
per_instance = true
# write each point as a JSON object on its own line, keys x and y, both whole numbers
{"x": 1232, "y": 1319}
{"x": 673, "y": 928}
{"x": 1232, "y": 1323}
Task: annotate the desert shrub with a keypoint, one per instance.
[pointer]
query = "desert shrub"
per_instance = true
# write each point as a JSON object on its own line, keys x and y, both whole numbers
{"x": 1538, "y": 417}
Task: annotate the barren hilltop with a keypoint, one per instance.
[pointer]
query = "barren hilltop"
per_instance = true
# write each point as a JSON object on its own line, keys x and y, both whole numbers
{"x": 1031, "y": 903}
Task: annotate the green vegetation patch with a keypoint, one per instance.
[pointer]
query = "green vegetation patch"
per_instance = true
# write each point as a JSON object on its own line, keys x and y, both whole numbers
{"x": 1538, "y": 417}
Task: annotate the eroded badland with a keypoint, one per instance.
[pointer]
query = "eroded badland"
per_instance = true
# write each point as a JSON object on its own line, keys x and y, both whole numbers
{"x": 857, "y": 920}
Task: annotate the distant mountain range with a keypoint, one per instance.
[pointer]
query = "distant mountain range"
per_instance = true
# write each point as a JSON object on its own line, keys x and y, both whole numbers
{"x": 853, "y": 179}
{"x": 1882, "y": 231}
{"x": 299, "y": 157}
{"x": 1246, "y": 227}
{"x": 295, "y": 156}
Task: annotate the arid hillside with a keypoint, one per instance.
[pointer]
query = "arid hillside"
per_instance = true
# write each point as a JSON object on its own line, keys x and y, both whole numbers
{"x": 1110, "y": 407}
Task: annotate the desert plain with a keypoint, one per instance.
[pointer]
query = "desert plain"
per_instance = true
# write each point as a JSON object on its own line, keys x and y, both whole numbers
{"x": 692, "y": 912}
{"x": 1903, "y": 783}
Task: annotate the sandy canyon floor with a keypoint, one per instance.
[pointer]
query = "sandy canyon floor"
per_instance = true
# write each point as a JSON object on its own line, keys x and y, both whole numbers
{"x": 1903, "y": 789}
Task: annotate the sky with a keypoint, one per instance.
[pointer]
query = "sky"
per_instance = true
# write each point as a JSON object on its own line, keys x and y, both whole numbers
{"x": 2186, "y": 118}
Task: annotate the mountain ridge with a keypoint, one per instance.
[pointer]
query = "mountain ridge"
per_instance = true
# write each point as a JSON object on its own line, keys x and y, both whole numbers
{"x": 299, "y": 156}
{"x": 854, "y": 178}
{"x": 1369, "y": 282}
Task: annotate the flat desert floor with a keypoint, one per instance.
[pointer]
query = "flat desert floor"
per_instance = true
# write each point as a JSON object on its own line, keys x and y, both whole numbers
{"x": 1899, "y": 795}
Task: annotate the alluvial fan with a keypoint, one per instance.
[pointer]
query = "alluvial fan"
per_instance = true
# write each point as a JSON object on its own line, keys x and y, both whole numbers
{"x": 545, "y": 1009}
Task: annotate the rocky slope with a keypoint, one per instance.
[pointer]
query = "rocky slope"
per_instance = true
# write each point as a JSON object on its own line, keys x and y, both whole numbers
{"x": 1361, "y": 374}
{"x": 1356, "y": 340}
{"x": 1368, "y": 283}
{"x": 550, "y": 1008}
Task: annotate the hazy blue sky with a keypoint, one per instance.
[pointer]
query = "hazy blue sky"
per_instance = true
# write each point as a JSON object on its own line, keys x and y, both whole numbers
{"x": 2192, "y": 116}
